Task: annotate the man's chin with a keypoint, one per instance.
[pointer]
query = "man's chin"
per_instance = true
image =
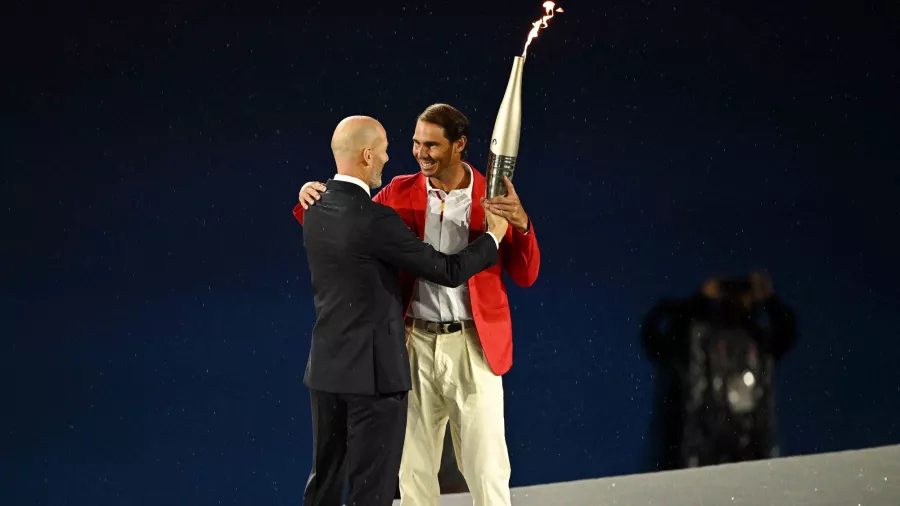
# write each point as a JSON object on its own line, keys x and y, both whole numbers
{"x": 430, "y": 170}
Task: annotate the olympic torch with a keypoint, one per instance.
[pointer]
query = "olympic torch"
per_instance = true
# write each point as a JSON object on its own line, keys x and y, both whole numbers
{"x": 505, "y": 139}
{"x": 504, "y": 147}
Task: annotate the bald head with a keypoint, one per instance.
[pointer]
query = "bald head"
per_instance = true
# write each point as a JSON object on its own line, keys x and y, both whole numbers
{"x": 354, "y": 134}
{"x": 359, "y": 144}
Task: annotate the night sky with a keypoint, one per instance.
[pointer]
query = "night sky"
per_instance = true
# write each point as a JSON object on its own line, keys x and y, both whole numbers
{"x": 155, "y": 296}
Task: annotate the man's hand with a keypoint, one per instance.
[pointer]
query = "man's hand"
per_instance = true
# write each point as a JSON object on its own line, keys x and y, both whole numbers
{"x": 509, "y": 207}
{"x": 310, "y": 193}
{"x": 496, "y": 225}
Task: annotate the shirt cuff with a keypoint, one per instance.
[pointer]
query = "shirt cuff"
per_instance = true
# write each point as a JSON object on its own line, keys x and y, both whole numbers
{"x": 494, "y": 237}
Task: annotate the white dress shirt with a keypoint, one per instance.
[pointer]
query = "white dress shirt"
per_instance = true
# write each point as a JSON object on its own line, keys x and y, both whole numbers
{"x": 447, "y": 218}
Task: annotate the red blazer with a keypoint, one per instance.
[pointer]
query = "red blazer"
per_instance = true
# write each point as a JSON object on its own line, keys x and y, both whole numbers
{"x": 519, "y": 256}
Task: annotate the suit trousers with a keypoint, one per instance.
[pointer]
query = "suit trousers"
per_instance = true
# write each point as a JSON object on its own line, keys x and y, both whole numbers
{"x": 358, "y": 438}
{"x": 452, "y": 381}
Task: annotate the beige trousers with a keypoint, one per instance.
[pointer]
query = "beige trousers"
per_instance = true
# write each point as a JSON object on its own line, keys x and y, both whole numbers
{"x": 452, "y": 380}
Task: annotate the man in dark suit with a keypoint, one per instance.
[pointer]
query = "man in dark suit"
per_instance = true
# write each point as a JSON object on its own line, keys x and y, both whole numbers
{"x": 358, "y": 371}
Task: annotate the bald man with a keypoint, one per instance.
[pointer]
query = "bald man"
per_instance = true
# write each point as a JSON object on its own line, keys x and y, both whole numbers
{"x": 358, "y": 371}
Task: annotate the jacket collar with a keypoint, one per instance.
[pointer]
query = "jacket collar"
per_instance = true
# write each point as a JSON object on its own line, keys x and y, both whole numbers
{"x": 356, "y": 181}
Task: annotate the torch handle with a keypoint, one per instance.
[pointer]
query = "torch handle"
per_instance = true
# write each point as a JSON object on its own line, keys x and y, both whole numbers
{"x": 499, "y": 166}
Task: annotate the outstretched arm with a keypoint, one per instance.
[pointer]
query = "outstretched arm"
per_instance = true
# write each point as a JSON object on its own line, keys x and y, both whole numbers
{"x": 520, "y": 255}
{"x": 397, "y": 245}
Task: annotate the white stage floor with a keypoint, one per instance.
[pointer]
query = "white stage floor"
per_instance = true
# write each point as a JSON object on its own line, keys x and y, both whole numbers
{"x": 868, "y": 477}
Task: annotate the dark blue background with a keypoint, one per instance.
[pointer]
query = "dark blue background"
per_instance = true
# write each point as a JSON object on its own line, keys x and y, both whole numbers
{"x": 156, "y": 303}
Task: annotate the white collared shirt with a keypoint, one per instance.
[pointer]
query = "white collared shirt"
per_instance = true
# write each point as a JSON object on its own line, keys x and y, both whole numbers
{"x": 447, "y": 232}
{"x": 356, "y": 181}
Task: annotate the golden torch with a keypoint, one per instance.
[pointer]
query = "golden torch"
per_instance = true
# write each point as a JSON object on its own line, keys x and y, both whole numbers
{"x": 504, "y": 146}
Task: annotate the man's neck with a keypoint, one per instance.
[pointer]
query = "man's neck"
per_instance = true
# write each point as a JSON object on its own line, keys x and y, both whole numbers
{"x": 356, "y": 172}
{"x": 457, "y": 178}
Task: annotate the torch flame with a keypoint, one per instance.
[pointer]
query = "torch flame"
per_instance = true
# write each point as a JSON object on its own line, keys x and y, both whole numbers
{"x": 541, "y": 23}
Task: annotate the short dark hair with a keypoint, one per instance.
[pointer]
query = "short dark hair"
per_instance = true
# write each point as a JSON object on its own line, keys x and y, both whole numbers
{"x": 454, "y": 123}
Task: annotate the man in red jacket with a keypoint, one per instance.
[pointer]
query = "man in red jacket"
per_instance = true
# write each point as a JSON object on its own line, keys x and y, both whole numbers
{"x": 459, "y": 339}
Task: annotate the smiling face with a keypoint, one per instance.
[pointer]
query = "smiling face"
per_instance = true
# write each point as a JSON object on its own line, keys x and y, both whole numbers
{"x": 434, "y": 152}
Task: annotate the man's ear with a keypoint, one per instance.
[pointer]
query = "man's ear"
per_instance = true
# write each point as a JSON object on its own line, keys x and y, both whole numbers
{"x": 461, "y": 144}
{"x": 367, "y": 155}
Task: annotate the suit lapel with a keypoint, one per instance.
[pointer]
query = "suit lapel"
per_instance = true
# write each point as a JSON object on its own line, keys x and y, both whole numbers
{"x": 476, "y": 220}
{"x": 418, "y": 202}
{"x": 476, "y": 224}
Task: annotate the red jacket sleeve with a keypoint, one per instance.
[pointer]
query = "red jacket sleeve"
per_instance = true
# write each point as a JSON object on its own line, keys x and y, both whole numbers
{"x": 520, "y": 256}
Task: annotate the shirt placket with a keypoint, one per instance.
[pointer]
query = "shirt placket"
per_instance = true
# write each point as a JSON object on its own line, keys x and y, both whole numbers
{"x": 443, "y": 300}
